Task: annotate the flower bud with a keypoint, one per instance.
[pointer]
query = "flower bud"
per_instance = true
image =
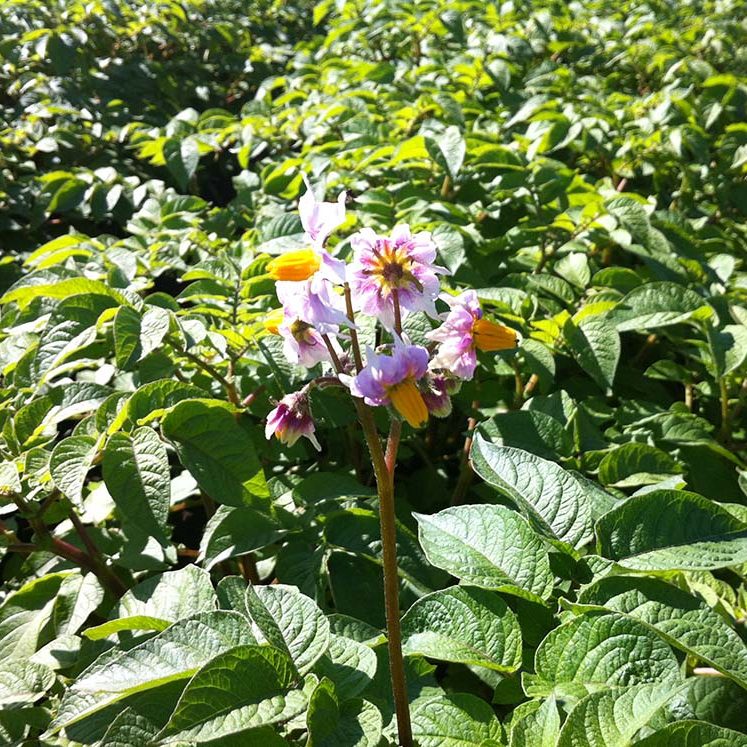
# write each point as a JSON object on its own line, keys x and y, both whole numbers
{"x": 292, "y": 419}
{"x": 436, "y": 396}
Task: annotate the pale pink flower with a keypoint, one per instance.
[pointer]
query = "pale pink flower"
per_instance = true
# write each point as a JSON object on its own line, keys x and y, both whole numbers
{"x": 400, "y": 265}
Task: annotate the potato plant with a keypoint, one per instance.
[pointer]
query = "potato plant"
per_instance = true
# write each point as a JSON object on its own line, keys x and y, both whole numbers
{"x": 373, "y": 372}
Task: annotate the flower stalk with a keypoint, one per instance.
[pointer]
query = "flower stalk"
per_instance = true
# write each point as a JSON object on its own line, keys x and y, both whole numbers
{"x": 388, "y": 521}
{"x": 384, "y": 465}
{"x": 387, "y": 518}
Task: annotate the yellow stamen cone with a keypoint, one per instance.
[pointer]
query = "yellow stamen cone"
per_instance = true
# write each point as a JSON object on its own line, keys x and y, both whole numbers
{"x": 408, "y": 402}
{"x": 273, "y": 321}
{"x": 491, "y": 336}
{"x": 298, "y": 265}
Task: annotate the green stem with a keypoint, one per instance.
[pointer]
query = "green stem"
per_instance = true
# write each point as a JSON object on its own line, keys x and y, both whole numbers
{"x": 229, "y": 386}
{"x": 724, "y": 399}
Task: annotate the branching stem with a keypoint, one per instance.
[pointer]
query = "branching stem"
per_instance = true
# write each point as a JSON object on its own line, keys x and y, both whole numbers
{"x": 47, "y": 541}
{"x": 229, "y": 386}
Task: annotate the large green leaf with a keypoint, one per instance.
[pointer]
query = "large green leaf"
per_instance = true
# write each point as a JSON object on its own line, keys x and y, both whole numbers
{"x": 718, "y": 700}
{"x": 595, "y": 344}
{"x": 488, "y": 546}
{"x": 63, "y": 288}
{"x": 683, "y": 620}
{"x": 655, "y": 305}
{"x": 70, "y": 328}
{"x": 694, "y": 734}
{"x": 667, "y": 529}
{"x": 234, "y": 531}
{"x": 350, "y": 664}
{"x": 78, "y": 597}
{"x": 127, "y": 349}
{"x": 240, "y": 689}
{"x": 333, "y": 721}
{"x": 160, "y": 600}
{"x": 217, "y": 451}
{"x": 465, "y": 624}
{"x": 556, "y": 501}
{"x": 539, "y": 728}
{"x": 611, "y": 718}
{"x": 593, "y": 652}
{"x": 136, "y": 473}
{"x": 23, "y": 682}
{"x": 530, "y": 430}
{"x": 157, "y": 397}
{"x": 69, "y": 464}
{"x": 457, "y": 720}
{"x": 729, "y": 347}
{"x": 636, "y": 464}
{"x": 175, "y": 654}
{"x": 291, "y": 621}
{"x": 182, "y": 158}
{"x": 24, "y": 616}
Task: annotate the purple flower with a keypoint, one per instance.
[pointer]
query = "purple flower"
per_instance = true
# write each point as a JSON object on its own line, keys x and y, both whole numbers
{"x": 401, "y": 263}
{"x": 390, "y": 379}
{"x": 319, "y": 219}
{"x": 313, "y": 301}
{"x": 464, "y": 332}
{"x": 302, "y": 344}
{"x": 292, "y": 419}
{"x": 456, "y": 351}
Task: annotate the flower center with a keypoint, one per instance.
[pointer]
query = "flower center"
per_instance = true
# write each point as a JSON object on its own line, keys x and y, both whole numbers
{"x": 393, "y": 273}
{"x": 392, "y": 268}
{"x": 408, "y": 402}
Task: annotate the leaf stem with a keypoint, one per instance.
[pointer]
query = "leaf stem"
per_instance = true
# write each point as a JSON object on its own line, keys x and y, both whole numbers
{"x": 518, "y": 386}
{"x": 392, "y": 446}
{"x": 333, "y": 354}
{"x": 104, "y": 573}
{"x": 465, "y": 471}
{"x": 248, "y": 567}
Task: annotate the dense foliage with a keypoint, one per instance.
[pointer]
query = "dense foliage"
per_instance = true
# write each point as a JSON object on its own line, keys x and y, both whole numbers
{"x": 572, "y": 537}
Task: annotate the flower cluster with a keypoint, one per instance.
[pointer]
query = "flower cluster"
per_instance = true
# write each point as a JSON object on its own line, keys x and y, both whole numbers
{"x": 388, "y": 278}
